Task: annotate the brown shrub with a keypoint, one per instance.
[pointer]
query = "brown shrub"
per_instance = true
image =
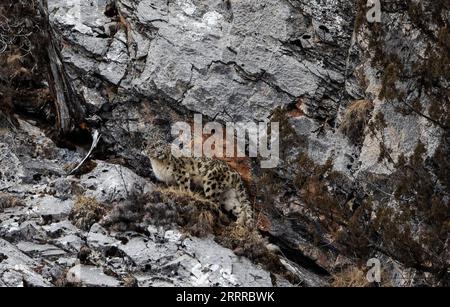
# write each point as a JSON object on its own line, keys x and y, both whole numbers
{"x": 351, "y": 277}
{"x": 355, "y": 120}
{"x": 22, "y": 61}
{"x": 86, "y": 212}
{"x": 9, "y": 201}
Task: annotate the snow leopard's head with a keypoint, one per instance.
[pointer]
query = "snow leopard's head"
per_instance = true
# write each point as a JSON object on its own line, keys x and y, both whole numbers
{"x": 158, "y": 150}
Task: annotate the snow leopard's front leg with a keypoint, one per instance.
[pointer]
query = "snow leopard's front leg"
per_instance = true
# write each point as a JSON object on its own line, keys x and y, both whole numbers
{"x": 244, "y": 211}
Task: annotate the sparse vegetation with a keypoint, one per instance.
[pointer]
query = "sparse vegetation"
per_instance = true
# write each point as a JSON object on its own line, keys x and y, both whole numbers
{"x": 426, "y": 75}
{"x": 22, "y": 60}
{"x": 9, "y": 201}
{"x": 166, "y": 207}
{"x": 192, "y": 212}
{"x": 411, "y": 225}
{"x": 86, "y": 212}
{"x": 351, "y": 277}
{"x": 413, "y": 231}
{"x": 355, "y": 119}
{"x": 356, "y": 277}
{"x": 417, "y": 232}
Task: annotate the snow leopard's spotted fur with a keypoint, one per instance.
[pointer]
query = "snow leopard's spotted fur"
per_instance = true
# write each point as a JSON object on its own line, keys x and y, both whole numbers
{"x": 220, "y": 183}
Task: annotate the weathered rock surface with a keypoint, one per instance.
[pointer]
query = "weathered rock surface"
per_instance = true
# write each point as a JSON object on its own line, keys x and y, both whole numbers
{"x": 364, "y": 141}
{"x": 51, "y": 207}
{"x": 235, "y": 60}
{"x": 109, "y": 183}
{"x": 16, "y": 268}
{"x": 90, "y": 276}
{"x": 40, "y": 247}
{"x": 191, "y": 262}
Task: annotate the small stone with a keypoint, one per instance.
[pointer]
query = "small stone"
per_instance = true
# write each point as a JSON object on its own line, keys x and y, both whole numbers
{"x": 54, "y": 208}
{"x": 70, "y": 243}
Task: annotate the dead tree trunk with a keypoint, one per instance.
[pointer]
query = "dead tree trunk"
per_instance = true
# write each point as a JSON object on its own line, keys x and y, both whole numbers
{"x": 68, "y": 104}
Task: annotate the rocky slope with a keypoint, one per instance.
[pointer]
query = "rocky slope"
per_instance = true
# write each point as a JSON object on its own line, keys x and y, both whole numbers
{"x": 363, "y": 110}
{"x": 49, "y": 235}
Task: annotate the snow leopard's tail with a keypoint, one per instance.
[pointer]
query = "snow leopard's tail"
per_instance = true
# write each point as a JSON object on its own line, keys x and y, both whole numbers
{"x": 244, "y": 212}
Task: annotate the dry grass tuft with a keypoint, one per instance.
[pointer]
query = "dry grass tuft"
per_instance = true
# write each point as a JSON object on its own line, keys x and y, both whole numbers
{"x": 249, "y": 243}
{"x": 351, "y": 277}
{"x": 205, "y": 223}
{"x": 9, "y": 201}
{"x": 355, "y": 120}
{"x": 86, "y": 212}
{"x": 180, "y": 194}
{"x": 356, "y": 277}
{"x": 130, "y": 281}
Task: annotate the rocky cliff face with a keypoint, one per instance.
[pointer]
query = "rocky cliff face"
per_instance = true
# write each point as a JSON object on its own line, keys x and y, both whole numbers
{"x": 363, "y": 113}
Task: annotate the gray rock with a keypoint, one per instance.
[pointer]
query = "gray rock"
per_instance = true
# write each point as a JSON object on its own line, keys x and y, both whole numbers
{"x": 90, "y": 276}
{"x": 16, "y": 268}
{"x": 13, "y": 255}
{"x": 93, "y": 98}
{"x": 54, "y": 272}
{"x": 50, "y": 206}
{"x": 109, "y": 183}
{"x": 11, "y": 169}
{"x": 183, "y": 42}
{"x": 67, "y": 262}
{"x": 40, "y": 250}
{"x": 62, "y": 187}
{"x": 144, "y": 252}
{"x": 22, "y": 276}
{"x": 58, "y": 229}
{"x": 117, "y": 59}
{"x": 19, "y": 222}
{"x": 81, "y": 16}
{"x": 28, "y": 230}
{"x": 101, "y": 241}
{"x": 307, "y": 278}
{"x": 71, "y": 243}
{"x": 410, "y": 128}
{"x": 37, "y": 169}
{"x": 215, "y": 265}
{"x": 192, "y": 262}
{"x": 97, "y": 228}
{"x": 11, "y": 278}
